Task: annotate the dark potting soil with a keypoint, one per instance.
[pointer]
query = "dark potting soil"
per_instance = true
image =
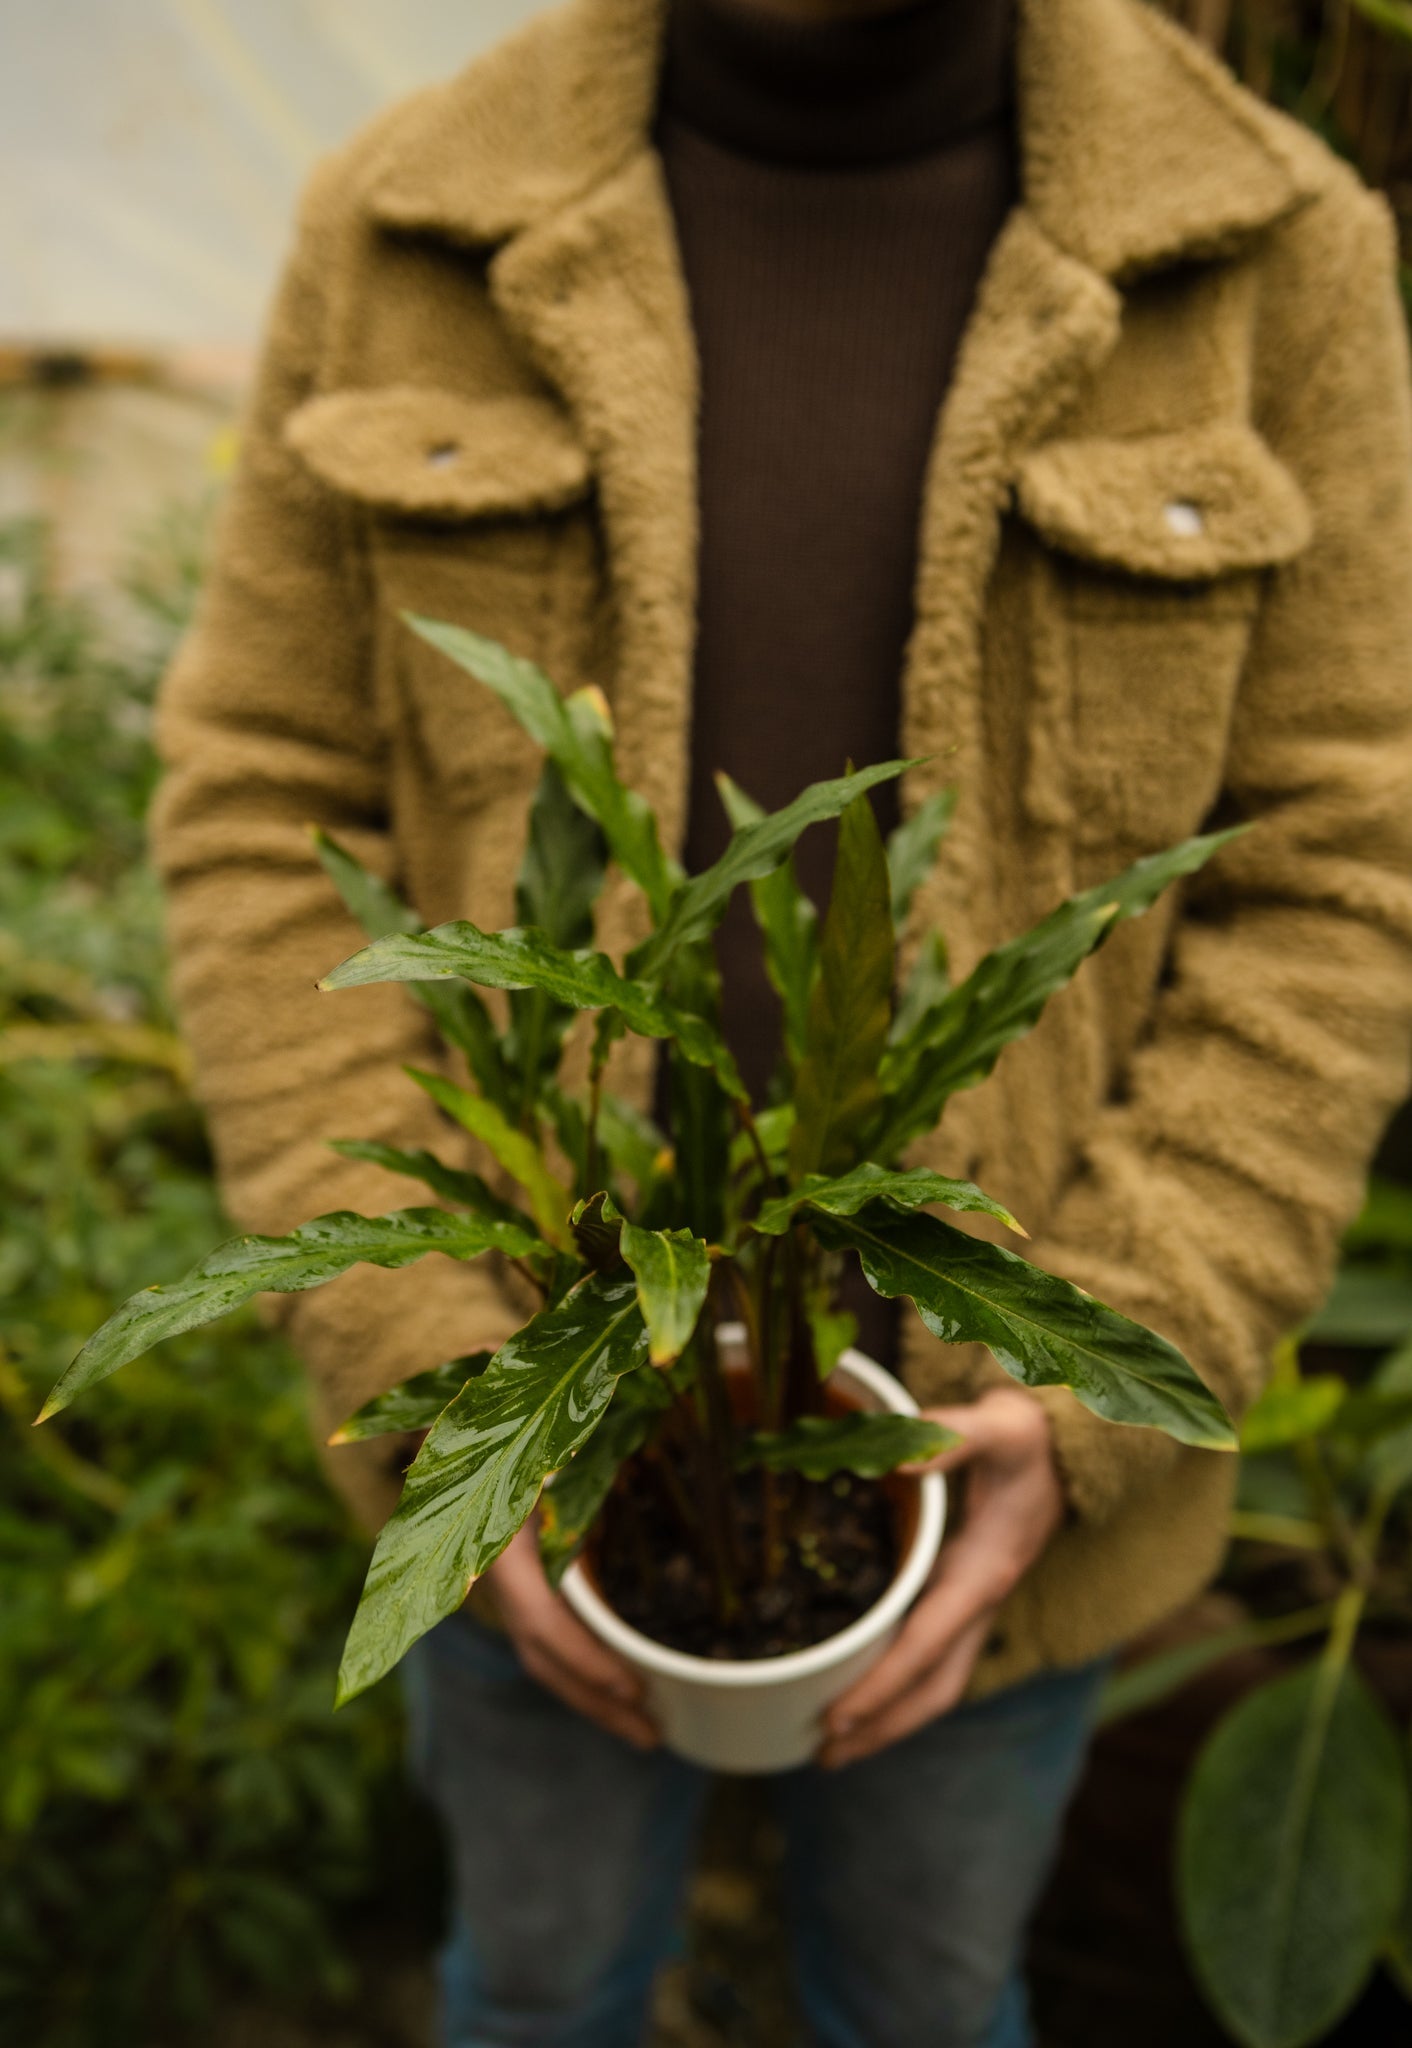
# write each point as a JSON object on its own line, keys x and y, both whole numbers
{"x": 839, "y": 1551}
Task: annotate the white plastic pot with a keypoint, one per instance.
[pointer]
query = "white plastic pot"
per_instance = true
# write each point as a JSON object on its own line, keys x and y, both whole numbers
{"x": 765, "y": 1713}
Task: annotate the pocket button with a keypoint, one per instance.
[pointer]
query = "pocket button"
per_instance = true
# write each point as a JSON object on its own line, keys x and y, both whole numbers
{"x": 1185, "y": 520}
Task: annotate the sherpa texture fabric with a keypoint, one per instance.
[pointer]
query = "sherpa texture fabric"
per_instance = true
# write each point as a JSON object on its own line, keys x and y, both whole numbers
{"x": 1162, "y": 578}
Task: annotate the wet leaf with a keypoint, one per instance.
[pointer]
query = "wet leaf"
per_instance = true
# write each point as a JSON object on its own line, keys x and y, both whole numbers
{"x": 246, "y": 1266}
{"x": 818, "y": 1446}
{"x": 1044, "y": 1331}
{"x": 958, "y": 1042}
{"x": 847, "y": 1193}
{"x": 525, "y": 959}
{"x": 570, "y": 1503}
{"x": 673, "y": 1270}
{"x": 413, "y": 1405}
{"x": 476, "y": 1478}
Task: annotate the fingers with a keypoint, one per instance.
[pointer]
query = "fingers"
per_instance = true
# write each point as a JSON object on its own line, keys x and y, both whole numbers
{"x": 560, "y": 1653}
{"x": 604, "y": 1708}
{"x": 938, "y": 1692}
{"x": 1005, "y": 1423}
{"x": 1014, "y": 1502}
{"x": 963, "y": 1592}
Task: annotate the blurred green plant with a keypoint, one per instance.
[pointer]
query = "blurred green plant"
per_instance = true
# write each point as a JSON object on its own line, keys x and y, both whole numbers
{"x": 1295, "y": 1841}
{"x": 182, "y": 1819}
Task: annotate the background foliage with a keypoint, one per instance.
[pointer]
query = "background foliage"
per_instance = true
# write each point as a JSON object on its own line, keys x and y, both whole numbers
{"x": 180, "y": 1813}
{"x": 1343, "y": 66}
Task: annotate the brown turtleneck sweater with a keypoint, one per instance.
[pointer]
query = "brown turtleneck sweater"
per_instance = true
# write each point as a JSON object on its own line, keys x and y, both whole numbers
{"x": 836, "y": 189}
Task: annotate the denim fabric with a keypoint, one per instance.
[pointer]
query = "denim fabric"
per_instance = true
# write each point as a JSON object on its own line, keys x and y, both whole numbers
{"x": 909, "y": 1877}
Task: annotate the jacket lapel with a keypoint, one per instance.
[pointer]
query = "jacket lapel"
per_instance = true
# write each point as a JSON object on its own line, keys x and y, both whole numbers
{"x": 597, "y": 296}
{"x": 1136, "y": 150}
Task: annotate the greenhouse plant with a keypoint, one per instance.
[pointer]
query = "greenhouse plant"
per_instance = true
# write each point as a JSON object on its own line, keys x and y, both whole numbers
{"x": 677, "y": 1404}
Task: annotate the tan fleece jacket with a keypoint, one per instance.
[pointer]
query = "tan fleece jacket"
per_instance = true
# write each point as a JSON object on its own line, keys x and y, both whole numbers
{"x": 1163, "y": 578}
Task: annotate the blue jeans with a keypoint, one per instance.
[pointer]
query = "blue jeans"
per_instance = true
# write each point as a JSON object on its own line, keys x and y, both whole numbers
{"x": 909, "y": 1877}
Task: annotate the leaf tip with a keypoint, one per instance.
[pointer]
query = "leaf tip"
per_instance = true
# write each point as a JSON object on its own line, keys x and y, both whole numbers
{"x": 340, "y": 1436}
{"x": 51, "y": 1407}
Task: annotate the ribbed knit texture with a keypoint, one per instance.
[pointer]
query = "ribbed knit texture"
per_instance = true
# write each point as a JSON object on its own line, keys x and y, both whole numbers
{"x": 836, "y": 190}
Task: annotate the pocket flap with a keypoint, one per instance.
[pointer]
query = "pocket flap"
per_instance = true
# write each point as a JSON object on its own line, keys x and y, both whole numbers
{"x": 1205, "y": 502}
{"x": 431, "y": 454}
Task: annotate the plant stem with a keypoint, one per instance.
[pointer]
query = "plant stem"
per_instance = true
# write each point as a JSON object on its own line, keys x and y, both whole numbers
{"x": 752, "y": 1131}
{"x": 590, "y": 1150}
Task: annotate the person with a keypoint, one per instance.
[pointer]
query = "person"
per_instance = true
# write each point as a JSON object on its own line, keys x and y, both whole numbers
{"x": 824, "y": 379}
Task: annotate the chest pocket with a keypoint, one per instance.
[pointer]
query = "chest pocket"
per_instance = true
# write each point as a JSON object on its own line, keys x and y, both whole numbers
{"x": 476, "y": 511}
{"x": 1155, "y": 556}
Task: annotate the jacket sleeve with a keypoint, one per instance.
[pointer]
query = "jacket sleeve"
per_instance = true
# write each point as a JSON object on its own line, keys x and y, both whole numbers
{"x": 266, "y": 723}
{"x": 1212, "y": 1197}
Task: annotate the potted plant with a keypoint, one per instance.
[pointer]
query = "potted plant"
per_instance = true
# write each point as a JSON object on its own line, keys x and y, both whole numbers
{"x": 734, "y": 1506}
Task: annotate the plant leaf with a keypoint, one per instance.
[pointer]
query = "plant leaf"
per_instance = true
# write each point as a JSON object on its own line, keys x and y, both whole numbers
{"x": 850, "y": 1192}
{"x": 597, "y": 1226}
{"x": 549, "y": 1200}
{"x": 1286, "y": 1415}
{"x": 831, "y": 1331}
{"x": 789, "y": 924}
{"x": 570, "y": 1502}
{"x": 525, "y": 959}
{"x": 1135, "y": 1687}
{"x": 911, "y": 849}
{"x": 836, "y": 1092}
{"x": 460, "y": 1015}
{"x": 237, "y": 1271}
{"x": 635, "y": 1146}
{"x": 476, "y": 1478}
{"x": 454, "y": 1182}
{"x": 673, "y": 1270}
{"x": 1044, "y": 1331}
{"x": 370, "y": 901}
{"x": 928, "y": 986}
{"x": 576, "y": 733}
{"x": 1368, "y": 1305}
{"x": 959, "y": 1041}
{"x": 818, "y": 1446}
{"x": 559, "y": 880}
{"x": 753, "y": 851}
{"x": 1292, "y": 1854}
{"x": 413, "y": 1405}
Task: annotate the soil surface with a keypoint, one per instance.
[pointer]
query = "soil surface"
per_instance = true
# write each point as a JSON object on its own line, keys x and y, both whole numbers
{"x": 837, "y": 1548}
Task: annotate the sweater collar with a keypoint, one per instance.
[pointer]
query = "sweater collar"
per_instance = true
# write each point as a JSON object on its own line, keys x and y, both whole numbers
{"x": 871, "y": 90}
{"x": 1136, "y": 149}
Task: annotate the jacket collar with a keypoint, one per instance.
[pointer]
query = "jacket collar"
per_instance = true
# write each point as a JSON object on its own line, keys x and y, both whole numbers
{"x": 1137, "y": 150}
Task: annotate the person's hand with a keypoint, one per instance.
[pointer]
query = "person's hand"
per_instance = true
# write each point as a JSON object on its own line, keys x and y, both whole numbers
{"x": 1014, "y": 1503}
{"x": 557, "y": 1650}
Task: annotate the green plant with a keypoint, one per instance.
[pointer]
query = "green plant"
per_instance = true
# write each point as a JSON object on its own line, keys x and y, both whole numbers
{"x": 1295, "y": 1849}
{"x": 182, "y": 1820}
{"x": 638, "y": 1250}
